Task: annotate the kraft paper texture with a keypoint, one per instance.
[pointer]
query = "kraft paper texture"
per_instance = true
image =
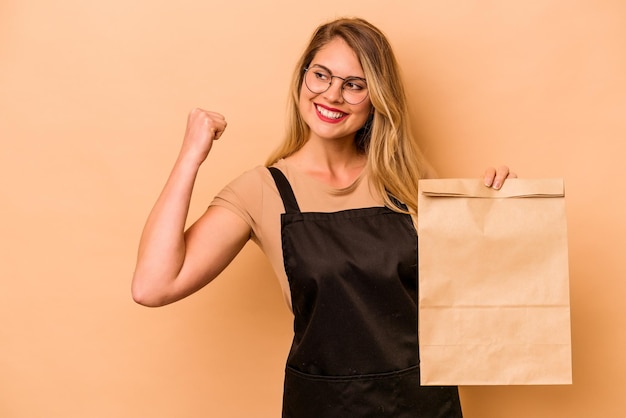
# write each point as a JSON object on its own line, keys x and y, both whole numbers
{"x": 493, "y": 283}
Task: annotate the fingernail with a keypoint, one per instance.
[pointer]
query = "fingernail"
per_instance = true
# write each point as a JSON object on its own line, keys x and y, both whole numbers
{"x": 496, "y": 185}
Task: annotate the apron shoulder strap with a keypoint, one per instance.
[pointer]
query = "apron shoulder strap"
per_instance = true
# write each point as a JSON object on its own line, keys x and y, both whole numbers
{"x": 397, "y": 202}
{"x": 285, "y": 190}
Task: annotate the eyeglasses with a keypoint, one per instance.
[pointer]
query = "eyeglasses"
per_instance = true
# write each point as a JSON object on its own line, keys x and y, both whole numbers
{"x": 319, "y": 79}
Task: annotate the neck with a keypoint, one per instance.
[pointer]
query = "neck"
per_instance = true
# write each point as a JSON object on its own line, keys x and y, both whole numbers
{"x": 335, "y": 162}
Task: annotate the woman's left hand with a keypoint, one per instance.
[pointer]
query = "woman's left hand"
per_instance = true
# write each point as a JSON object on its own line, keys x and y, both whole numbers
{"x": 495, "y": 177}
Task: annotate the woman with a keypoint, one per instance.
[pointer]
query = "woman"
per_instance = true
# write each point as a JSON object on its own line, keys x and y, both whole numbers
{"x": 334, "y": 213}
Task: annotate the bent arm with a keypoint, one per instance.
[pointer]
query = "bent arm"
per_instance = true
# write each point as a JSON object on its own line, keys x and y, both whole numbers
{"x": 172, "y": 263}
{"x": 168, "y": 271}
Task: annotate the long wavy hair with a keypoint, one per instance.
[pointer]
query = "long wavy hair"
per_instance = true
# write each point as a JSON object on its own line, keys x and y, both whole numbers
{"x": 394, "y": 161}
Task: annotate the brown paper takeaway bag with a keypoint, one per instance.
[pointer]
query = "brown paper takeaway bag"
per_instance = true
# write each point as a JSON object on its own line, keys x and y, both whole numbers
{"x": 493, "y": 283}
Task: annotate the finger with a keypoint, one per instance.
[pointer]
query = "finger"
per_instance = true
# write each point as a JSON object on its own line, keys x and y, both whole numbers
{"x": 489, "y": 176}
{"x": 501, "y": 174}
{"x": 215, "y": 115}
{"x": 217, "y": 133}
{"x": 218, "y": 128}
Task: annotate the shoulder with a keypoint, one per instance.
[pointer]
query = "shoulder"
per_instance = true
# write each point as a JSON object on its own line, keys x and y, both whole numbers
{"x": 251, "y": 187}
{"x": 247, "y": 194}
{"x": 252, "y": 177}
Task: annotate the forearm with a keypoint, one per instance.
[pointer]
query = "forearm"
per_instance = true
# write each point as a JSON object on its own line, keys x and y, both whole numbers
{"x": 162, "y": 245}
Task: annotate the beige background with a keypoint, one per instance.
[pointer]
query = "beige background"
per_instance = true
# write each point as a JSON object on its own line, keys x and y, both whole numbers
{"x": 93, "y": 101}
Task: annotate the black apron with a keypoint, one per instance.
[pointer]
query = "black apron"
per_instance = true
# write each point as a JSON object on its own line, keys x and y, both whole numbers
{"x": 353, "y": 281}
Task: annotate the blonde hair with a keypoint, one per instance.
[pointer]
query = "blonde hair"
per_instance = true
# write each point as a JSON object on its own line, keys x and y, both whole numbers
{"x": 393, "y": 158}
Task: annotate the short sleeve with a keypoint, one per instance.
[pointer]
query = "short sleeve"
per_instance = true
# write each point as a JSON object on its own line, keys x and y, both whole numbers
{"x": 253, "y": 196}
{"x": 243, "y": 196}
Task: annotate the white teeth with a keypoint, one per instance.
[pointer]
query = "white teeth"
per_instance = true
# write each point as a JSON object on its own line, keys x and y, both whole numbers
{"x": 328, "y": 114}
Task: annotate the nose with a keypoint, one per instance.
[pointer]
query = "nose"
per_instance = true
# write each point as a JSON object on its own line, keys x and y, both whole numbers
{"x": 334, "y": 92}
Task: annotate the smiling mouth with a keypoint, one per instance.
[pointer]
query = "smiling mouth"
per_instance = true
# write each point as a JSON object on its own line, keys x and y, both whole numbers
{"x": 329, "y": 114}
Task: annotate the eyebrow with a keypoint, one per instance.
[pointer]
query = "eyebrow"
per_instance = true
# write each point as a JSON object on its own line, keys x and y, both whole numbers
{"x": 331, "y": 73}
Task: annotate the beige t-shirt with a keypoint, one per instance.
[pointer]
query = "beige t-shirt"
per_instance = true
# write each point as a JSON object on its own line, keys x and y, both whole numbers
{"x": 254, "y": 197}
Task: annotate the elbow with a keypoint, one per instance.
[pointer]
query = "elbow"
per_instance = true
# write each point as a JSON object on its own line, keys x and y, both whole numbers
{"x": 145, "y": 300}
{"x": 145, "y": 295}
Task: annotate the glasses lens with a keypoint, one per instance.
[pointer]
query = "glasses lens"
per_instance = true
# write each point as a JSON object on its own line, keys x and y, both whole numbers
{"x": 317, "y": 79}
{"x": 354, "y": 90}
